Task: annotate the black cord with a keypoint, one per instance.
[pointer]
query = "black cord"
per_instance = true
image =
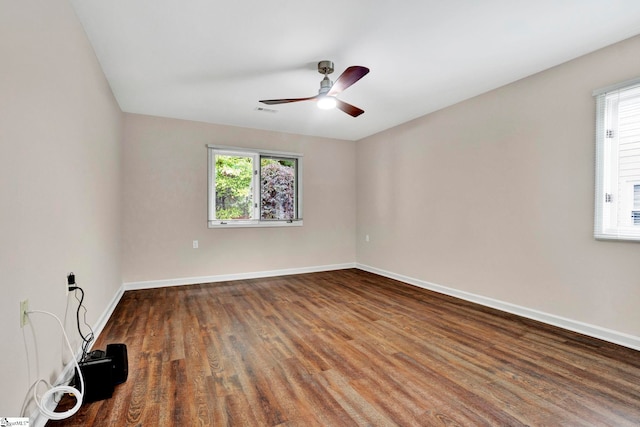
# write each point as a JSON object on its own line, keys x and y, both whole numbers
{"x": 78, "y": 312}
{"x": 89, "y": 337}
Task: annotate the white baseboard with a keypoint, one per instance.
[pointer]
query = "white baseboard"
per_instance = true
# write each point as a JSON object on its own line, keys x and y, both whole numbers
{"x": 150, "y": 284}
{"x": 106, "y": 314}
{"x": 605, "y": 334}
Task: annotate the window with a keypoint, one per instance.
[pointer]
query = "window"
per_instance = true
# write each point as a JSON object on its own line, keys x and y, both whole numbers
{"x": 617, "y": 193}
{"x": 254, "y": 188}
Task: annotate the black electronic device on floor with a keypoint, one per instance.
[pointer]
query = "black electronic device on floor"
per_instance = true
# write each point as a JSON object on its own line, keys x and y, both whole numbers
{"x": 102, "y": 371}
{"x": 118, "y": 355}
{"x": 98, "y": 379}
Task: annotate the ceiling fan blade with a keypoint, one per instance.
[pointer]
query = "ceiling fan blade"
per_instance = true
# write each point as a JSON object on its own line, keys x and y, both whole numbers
{"x": 346, "y": 79}
{"x": 351, "y": 110}
{"x": 285, "y": 101}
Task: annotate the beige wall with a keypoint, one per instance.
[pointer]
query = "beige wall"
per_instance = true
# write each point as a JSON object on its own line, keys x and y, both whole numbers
{"x": 494, "y": 196}
{"x": 165, "y": 204}
{"x": 60, "y": 132}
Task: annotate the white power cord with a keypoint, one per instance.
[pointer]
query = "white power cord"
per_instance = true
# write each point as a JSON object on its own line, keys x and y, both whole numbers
{"x": 58, "y": 389}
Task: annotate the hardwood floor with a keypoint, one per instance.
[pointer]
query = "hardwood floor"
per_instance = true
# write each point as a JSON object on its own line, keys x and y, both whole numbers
{"x": 351, "y": 348}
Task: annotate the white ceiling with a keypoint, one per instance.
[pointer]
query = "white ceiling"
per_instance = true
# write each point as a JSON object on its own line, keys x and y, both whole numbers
{"x": 211, "y": 61}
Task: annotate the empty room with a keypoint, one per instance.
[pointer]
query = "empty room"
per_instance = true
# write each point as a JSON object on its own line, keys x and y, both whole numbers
{"x": 334, "y": 213}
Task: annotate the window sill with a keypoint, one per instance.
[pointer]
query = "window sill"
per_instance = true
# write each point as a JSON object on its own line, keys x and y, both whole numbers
{"x": 629, "y": 236}
{"x": 254, "y": 224}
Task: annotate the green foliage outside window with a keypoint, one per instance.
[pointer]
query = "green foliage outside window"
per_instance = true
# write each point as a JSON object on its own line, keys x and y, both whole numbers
{"x": 234, "y": 191}
{"x": 233, "y": 187}
{"x": 277, "y": 190}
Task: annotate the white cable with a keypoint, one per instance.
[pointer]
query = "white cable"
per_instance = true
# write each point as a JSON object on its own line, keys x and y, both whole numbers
{"x": 59, "y": 389}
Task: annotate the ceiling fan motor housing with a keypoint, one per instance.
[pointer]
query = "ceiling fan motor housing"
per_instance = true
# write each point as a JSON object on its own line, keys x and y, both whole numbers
{"x": 325, "y": 67}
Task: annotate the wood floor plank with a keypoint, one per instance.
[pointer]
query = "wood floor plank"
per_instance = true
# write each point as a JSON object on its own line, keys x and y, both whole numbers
{"x": 350, "y": 348}
{"x": 361, "y": 411}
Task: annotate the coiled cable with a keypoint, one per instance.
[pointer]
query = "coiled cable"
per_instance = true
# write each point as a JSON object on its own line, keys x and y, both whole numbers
{"x": 49, "y": 394}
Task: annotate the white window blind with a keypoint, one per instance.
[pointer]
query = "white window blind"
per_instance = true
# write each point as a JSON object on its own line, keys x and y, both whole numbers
{"x": 617, "y": 189}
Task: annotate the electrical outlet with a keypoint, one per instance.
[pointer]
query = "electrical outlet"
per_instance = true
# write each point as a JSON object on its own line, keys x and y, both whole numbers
{"x": 71, "y": 281}
{"x": 195, "y": 244}
{"x": 24, "y": 317}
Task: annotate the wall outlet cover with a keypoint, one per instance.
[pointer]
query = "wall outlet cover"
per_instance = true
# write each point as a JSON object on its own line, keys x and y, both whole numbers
{"x": 24, "y": 317}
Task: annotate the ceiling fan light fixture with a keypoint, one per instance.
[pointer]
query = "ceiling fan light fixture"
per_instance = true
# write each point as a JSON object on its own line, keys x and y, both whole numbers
{"x": 326, "y": 98}
{"x": 327, "y": 102}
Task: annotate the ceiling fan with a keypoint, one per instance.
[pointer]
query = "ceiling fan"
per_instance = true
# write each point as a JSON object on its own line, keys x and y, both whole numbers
{"x": 326, "y": 97}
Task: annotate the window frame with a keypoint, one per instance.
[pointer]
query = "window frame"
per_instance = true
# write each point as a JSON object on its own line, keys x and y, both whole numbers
{"x": 635, "y": 209}
{"x": 607, "y": 176}
{"x": 257, "y": 154}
